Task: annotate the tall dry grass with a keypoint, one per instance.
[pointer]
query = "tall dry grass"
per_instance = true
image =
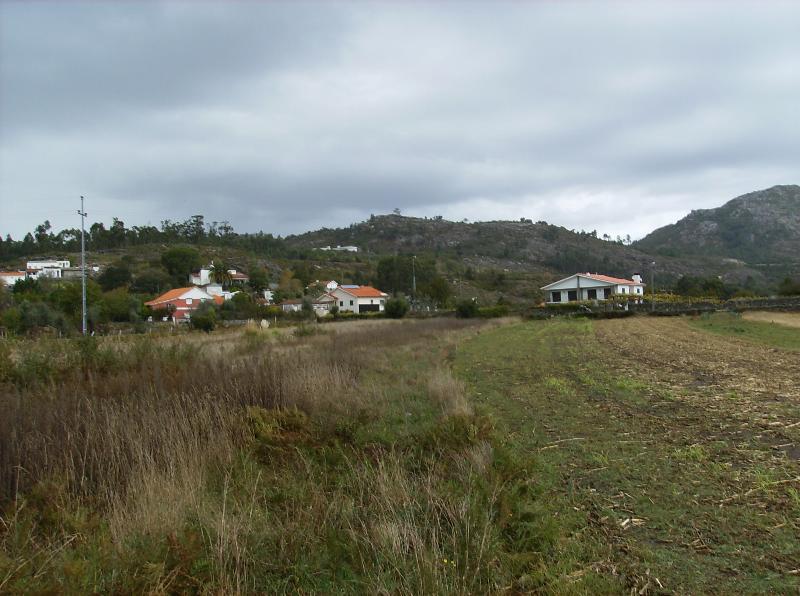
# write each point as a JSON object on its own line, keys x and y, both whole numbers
{"x": 137, "y": 430}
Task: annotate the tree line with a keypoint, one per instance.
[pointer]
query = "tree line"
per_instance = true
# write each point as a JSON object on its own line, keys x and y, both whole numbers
{"x": 194, "y": 230}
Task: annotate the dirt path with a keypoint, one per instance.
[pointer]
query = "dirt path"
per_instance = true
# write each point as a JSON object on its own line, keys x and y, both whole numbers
{"x": 789, "y": 319}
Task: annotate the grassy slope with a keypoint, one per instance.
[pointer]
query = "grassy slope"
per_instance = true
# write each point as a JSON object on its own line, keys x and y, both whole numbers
{"x": 769, "y": 334}
{"x": 638, "y": 485}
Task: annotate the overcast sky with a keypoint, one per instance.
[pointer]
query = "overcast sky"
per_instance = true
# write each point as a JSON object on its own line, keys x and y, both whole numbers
{"x": 288, "y": 117}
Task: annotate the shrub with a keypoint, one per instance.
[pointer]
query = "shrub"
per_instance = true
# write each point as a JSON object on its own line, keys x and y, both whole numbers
{"x": 204, "y": 318}
{"x": 396, "y": 308}
{"x": 467, "y": 309}
{"x": 492, "y": 312}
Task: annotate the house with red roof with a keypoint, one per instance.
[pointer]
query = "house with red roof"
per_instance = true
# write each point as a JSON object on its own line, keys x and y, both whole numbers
{"x": 359, "y": 299}
{"x": 179, "y": 304}
{"x": 592, "y": 286}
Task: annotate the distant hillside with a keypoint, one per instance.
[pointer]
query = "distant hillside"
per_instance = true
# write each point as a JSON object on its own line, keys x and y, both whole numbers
{"x": 760, "y": 228}
{"x": 538, "y": 248}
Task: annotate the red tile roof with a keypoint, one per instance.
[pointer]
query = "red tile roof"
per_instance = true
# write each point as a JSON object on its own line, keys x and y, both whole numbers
{"x": 363, "y": 292}
{"x": 611, "y": 280}
{"x": 173, "y": 294}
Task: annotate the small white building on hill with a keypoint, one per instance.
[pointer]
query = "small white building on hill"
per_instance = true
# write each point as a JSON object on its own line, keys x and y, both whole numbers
{"x": 592, "y": 286}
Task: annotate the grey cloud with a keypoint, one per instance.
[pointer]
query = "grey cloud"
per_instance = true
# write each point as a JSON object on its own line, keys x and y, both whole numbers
{"x": 614, "y": 116}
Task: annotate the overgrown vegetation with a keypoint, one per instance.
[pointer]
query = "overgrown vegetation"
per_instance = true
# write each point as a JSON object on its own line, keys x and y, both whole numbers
{"x": 349, "y": 461}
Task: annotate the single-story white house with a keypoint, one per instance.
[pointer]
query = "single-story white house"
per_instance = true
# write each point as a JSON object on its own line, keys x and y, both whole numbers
{"x": 293, "y": 305}
{"x": 359, "y": 299}
{"x": 591, "y": 286}
{"x": 323, "y": 304}
{"x": 341, "y": 248}
{"x": 9, "y": 278}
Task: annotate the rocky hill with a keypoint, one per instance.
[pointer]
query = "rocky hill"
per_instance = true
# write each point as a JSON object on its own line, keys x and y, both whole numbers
{"x": 760, "y": 229}
{"x": 523, "y": 246}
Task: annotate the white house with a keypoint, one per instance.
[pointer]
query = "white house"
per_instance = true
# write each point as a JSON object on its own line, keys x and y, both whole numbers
{"x": 9, "y": 278}
{"x": 215, "y": 289}
{"x": 341, "y": 248}
{"x": 293, "y": 305}
{"x": 591, "y": 286}
{"x": 52, "y": 269}
{"x": 359, "y": 299}
{"x": 323, "y": 304}
{"x": 201, "y": 277}
{"x": 36, "y": 265}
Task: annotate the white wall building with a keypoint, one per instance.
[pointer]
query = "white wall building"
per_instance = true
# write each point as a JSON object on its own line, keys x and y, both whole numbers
{"x": 591, "y": 286}
{"x": 201, "y": 277}
{"x": 9, "y": 278}
{"x": 359, "y": 299}
{"x": 37, "y": 265}
{"x": 52, "y": 269}
{"x": 323, "y": 305}
{"x": 343, "y": 248}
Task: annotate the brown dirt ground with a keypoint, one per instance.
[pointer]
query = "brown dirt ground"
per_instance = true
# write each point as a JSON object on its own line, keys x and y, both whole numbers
{"x": 748, "y": 391}
{"x": 790, "y": 319}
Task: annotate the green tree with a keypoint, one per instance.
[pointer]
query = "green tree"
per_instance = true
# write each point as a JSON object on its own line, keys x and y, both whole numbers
{"x": 789, "y": 287}
{"x": 67, "y": 297}
{"x": 204, "y": 318}
{"x": 438, "y": 290}
{"x": 220, "y": 274}
{"x": 467, "y": 309}
{"x": 396, "y": 308}
{"x": 258, "y": 279}
{"x": 180, "y": 261}
{"x": 115, "y": 276}
{"x": 118, "y": 305}
{"x": 151, "y": 281}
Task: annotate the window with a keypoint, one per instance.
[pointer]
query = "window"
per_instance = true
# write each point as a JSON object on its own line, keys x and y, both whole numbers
{"x": 572, "y": 295}
{"x": 606, "y": 293}
{"x": 381, "y": 301}
{"x": 556, "y": 297}
{"x": 188, "y": 301}
{"x": 341, "y": 302}
{"x": 351, "y": 303}
{"x": 371, "y": 301}
{"x": 591, "y": 294}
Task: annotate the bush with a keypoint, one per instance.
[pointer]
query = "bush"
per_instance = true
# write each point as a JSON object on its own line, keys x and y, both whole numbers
{"x": 493, "y": 312}
{"x": 467, "y": 309}
{"x": 204, "y": 318}
{"x": 396, "y": 308}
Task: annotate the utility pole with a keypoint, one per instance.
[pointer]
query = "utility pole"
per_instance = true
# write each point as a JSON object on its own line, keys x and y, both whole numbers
{"x": 653, "y": 286}
{"x": 82, "y": 213}
{"x": 414, "y": 279}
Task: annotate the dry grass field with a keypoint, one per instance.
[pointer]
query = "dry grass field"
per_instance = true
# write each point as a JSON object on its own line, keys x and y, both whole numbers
{"x": 790, "y": 319}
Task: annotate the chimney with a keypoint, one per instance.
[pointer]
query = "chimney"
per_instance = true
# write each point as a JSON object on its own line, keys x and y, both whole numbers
{"x": 637, "y": 278}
